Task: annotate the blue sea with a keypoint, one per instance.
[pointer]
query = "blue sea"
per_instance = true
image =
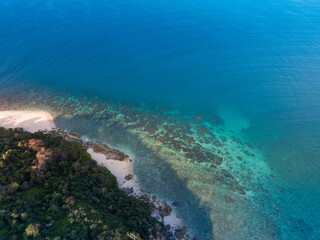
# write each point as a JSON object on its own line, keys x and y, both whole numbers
{"x": 218, "y": 101}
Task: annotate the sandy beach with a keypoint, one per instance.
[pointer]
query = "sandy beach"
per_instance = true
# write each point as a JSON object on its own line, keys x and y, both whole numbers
{"x": 28, "y": 120}
{"x": 122, "y": 169}
{"x": 33, "y": 121}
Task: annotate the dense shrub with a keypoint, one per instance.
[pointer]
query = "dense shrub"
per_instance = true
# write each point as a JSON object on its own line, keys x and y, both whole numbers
{"x": 52, "y": 188}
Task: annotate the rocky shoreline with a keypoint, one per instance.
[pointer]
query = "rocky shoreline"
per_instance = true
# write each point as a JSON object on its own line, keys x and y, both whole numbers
{"x": 161, "y": 210}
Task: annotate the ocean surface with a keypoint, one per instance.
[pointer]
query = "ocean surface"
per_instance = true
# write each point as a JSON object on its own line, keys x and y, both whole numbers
{"x": 218, "y": 101}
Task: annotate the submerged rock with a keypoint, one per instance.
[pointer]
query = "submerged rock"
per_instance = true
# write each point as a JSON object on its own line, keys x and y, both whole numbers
{"x": 217, "y": 143}
{"x": 229, "y": 200}
{"x": 175, "y": 204}
{"x": 210, "y": 181}
{"x": 217, "y": 160}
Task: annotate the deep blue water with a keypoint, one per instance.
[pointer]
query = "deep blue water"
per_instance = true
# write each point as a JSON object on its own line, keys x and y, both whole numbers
{"x": 253, "y": 65}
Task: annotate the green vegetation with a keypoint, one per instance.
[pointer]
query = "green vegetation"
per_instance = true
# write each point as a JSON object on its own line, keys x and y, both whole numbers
{"x": 52, "y": 188}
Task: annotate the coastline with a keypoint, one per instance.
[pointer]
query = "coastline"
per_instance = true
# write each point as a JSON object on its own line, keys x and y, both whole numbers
{"x": 128, "y": 182}
{"x": 117, "y": 162}
{"x": 31, "y": 121}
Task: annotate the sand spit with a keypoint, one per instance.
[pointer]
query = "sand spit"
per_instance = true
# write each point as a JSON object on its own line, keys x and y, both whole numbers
{"x": 28, "y": 120}
{"x": 118, "y": 163}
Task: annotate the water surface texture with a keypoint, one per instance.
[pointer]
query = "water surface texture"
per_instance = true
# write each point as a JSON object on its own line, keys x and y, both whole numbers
{"x": 219, "y": 101}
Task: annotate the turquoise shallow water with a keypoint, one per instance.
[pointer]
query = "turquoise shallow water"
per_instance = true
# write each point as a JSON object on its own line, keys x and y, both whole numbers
{"x": 218, "y": 101}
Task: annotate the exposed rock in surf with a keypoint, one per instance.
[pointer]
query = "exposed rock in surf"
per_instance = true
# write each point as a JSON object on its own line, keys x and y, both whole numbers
{"x": 128, "y": 190}
{"x": 128, "y": 177}
{"x": 181, "y": 233}
{"x": 75, "y": 135}
{"x": 107, "y": 151}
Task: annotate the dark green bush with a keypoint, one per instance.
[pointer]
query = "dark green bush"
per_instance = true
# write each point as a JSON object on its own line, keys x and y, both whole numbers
{"x": 70, "y": 196}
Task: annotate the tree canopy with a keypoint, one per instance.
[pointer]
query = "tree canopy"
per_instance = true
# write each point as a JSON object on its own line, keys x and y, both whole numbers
{"x": 52, "y": 188}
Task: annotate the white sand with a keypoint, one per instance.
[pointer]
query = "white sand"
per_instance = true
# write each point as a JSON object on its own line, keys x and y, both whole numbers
{"x": 29, "y": 121}
{"x": 120, "y": 169}
{"x": 34, "y": 121}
